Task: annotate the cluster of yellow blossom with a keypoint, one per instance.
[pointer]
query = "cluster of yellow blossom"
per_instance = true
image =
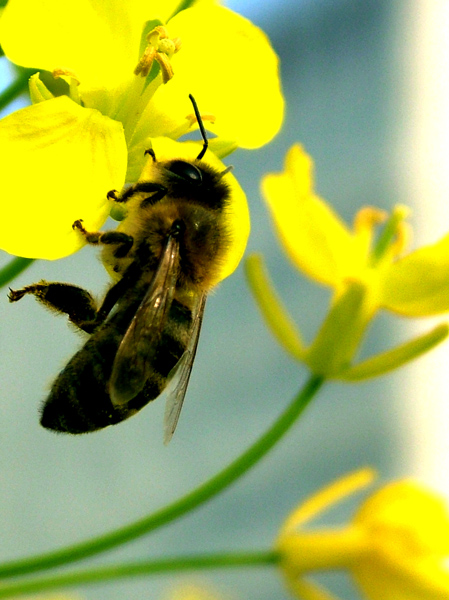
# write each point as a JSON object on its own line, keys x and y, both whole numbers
{"x": 396, "y": 547}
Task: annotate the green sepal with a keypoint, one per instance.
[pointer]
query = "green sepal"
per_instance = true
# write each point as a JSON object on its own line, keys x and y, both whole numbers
{"x": 273, "y": 310}
{"x": 341, "y": 333}
{"x": 39, "y": 92}
{"x": 395, "y": 358}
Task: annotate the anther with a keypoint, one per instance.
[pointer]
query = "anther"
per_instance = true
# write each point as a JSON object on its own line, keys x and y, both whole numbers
{"x": 160, "y": 48}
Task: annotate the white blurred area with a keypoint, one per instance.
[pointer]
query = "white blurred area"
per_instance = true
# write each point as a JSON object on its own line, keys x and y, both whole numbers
{"x": 424, "y": 138}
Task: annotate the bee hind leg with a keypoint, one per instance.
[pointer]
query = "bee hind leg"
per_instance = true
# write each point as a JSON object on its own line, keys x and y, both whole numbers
{"x": 74, "y": 301}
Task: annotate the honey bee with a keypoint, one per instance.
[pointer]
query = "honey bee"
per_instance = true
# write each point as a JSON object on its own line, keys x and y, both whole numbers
{"x": 165, "y": 257}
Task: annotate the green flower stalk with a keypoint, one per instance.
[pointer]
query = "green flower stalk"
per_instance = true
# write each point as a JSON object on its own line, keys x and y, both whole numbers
{"x": 396, "y": 547}
{"x": 366, "y": 271}
{"x": 126, "y": 71}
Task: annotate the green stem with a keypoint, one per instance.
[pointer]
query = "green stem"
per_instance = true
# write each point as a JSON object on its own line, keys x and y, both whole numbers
{"x": 17, "y": 87}
{"x": 139, "y": 569}
{"x": 173, "y": 511}
{"x": 14, "y": 268}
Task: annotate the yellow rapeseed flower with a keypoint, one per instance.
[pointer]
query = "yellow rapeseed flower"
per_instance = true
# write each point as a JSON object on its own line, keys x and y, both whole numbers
{"x": 365, "y": 270}
{"x": 396, "y": 547}
{"x": 115, "y": 79}
{"x": 192, "y": 590}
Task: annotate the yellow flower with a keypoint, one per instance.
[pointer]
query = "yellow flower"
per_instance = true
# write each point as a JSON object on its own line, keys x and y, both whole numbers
{"x": 365, "y": 270}
{"x": 396, "y": 546}
{"x": 192, "y": 591}
{"x": 50, "y": 597}
{"x": 116, "y": 76}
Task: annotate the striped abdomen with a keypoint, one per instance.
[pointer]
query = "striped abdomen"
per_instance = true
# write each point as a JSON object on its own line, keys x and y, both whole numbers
{"x": 79, "y": 401}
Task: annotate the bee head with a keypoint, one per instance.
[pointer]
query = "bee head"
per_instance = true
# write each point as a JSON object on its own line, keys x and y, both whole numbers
{"x": 195, "y": 182}
{"x": 191, "y": 180}
{"x": 187, "y": 172}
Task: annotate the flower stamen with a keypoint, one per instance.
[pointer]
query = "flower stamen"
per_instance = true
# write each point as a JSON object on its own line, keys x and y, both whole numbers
{"x": 204, "y": 117}
{"x": 73, "y": 81}
{"x": 186, "y": 127}
{"x": 365, "y": 222}
{"x": 160, "y": 48}
{"x": 57, "y": 73}
{"x": 367, "y": 218}
{"x": 393, "y": 238}
{"x": 403, "y": 239}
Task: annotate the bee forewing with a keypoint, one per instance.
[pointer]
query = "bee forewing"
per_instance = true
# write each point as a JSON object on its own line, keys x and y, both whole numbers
{"x": 133, "y": 361}
{"x": 175, "y": 397}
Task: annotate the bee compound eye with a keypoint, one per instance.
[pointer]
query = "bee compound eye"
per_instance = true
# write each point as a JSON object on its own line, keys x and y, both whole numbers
{"x": 185, "y": 170}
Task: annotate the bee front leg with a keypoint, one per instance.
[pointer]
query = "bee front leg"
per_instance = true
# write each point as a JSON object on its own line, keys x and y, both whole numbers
{"x": 123, "y": 241}
{"x": 156, "y": 190}
{"x": 64, "y": 298}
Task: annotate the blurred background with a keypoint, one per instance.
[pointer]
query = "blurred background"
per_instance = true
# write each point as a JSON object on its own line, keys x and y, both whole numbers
{"x": 365, "y": 84}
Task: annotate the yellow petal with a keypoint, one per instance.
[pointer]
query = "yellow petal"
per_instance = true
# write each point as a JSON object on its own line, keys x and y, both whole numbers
{"x": 58, "y": 161}
{"x": 192, "y": 591}
{"x": 407, "y": 517}
{"x": 325, "y": 498}
{"x": 408, "y": 525}
{"x": 314, "y": 237}
{"x": 411, "y": 581}
{"x": 418, "y": 284}
{"x": 308, "y": 590}
{"x": 230, "y": 68}
{"x": 99, "y": 41}
{"x": 236, "y": 215}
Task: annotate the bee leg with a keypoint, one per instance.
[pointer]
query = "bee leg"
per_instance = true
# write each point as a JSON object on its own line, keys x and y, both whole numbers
{"x": 157, "y": 190}
{"x": 71, "y": 300}
{"x": 151, "y": 153}
{"x": 115, "y": 293}
{"x": 123, "y": 241}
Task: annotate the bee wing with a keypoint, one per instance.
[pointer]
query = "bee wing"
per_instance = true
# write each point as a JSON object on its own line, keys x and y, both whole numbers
{"x": 175, "y": 398}
{"x": 132, "y": 363}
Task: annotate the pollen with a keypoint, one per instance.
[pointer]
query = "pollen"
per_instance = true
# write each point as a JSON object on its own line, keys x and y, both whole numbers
{"x": 191, "y": 118}
{"x": 57, "y": 73}
{"x": 367, "y": 218}
{"x": 73, "y": 82}
{"x": 160, "y": 48}
{"x": 404, "y": 234}
{"x": 186, "y": 126}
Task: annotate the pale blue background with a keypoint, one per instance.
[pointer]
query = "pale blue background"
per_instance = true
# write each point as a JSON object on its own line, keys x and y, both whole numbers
{"x": 339, "y": 78}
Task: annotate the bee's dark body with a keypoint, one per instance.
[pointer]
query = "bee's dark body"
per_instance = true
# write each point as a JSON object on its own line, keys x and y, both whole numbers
{"x": 166, "y": 253}
{"x": 79, "y": 400}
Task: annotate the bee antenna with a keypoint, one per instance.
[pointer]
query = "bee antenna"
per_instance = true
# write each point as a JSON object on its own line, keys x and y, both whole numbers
{"x": 201, "y": 126}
